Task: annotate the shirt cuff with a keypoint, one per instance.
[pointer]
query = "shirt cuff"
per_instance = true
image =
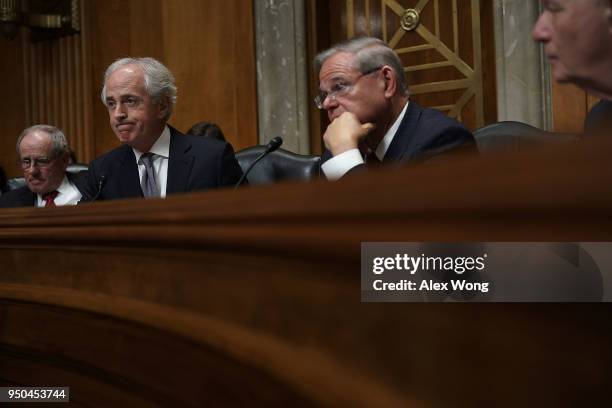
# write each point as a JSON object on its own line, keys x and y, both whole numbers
{"x": 339, "y": 165}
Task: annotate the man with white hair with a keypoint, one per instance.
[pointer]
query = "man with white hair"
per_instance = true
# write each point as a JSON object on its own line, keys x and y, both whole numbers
{"x": 43, "y": 156}
{"x": 577, "y": 39}
{"x": 155, "y": 159}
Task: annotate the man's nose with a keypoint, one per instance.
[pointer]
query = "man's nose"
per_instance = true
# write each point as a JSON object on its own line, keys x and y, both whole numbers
{"x": 33, "y": 169}
{"x": 541, "y": 29}
{"x": 329, "y": 102}
{"x": 119, "y": 111}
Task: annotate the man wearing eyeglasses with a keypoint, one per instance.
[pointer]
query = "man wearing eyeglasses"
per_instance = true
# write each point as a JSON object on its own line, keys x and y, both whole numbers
{"x": 43, "y": 156}
{"x": 364, "y": 91}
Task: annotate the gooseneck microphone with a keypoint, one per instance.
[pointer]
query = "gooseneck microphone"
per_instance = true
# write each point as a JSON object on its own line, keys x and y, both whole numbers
{"x": 272, "y": 145}
{"x": 101, "y": 183}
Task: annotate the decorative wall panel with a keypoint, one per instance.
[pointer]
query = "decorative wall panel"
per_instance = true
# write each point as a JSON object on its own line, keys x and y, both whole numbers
{"x": 57, "y": 82}
{"x": 439, "y": 43}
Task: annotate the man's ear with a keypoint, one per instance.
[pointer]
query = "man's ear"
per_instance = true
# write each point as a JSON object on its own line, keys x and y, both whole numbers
{"x": 390, "y": 79}
{"x": 163, "y": 105}
{"x": 65, "y": 159}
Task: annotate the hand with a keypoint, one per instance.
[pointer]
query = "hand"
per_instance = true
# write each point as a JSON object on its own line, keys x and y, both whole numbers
{"x": 345, "y": 132}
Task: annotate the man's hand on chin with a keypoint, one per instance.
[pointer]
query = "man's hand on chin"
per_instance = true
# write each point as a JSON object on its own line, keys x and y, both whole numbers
{"x": 345, "y": 132}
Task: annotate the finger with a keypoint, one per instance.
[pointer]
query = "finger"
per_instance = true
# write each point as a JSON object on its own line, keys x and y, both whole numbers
{"x": 367, "y": 127}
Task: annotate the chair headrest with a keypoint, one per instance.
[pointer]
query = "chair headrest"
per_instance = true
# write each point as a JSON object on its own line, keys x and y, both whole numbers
{"x": 278, "y": 165}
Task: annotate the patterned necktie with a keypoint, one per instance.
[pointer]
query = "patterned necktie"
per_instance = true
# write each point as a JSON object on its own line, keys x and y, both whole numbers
{"x": 49, "y": 198}
{"x": 148, "y": 182}
{"x": 370, "y": 158}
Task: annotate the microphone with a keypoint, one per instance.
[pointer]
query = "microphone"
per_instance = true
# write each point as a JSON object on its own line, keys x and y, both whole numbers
{"x": 272, "y": 145}
{"x": 101, "y": 183}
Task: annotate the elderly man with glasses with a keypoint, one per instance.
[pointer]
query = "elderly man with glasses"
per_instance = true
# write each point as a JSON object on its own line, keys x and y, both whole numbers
{"x": 364, "y": 91}
{"x": 43, "y": 156}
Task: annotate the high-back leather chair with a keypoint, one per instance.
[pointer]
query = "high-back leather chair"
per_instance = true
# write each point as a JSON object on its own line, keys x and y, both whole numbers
{"x": 513, "y": 136}
{"x": 3, "y": 181}
{"x": 280, "y": 165}
{"x": 17, "y": 182}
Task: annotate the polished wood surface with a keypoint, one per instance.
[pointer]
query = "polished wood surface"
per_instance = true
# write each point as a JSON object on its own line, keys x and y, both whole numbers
{"x": 253, "y": 296}
{"x": 570, "y": 106}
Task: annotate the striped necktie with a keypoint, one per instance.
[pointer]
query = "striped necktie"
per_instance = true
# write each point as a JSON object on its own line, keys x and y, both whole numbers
{"x": 149, "y": 185}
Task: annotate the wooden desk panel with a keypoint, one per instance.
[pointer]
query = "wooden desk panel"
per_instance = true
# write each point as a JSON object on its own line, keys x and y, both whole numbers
{"x": 253, "y": 295}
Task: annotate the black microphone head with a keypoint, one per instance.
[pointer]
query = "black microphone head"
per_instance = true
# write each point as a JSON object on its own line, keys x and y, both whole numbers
{"x": 275, "y": 143}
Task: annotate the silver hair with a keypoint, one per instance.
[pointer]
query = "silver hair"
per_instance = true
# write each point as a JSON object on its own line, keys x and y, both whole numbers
{"x": 370, "y": 53}
{"x": 59, "y": 144}
{"x": 159, "y": 81}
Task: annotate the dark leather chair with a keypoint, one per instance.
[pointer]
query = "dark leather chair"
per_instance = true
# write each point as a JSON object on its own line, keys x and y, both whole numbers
{"x": 3, "y": 181}
{"x": 599, "y": 119}
{"x": 513, "y": 136}
{"x": 17, "y": 182}
{"x": 280, "y": 165}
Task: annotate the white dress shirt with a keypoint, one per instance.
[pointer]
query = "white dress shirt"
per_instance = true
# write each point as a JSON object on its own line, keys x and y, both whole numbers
{"x": 339, "y": 165}
{"x": 67, "y": 194}
{"x": 161, "y": 149}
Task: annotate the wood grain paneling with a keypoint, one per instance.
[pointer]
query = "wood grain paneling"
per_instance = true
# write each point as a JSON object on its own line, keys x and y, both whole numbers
{"x": 110, "y": 31}
{"x": 13, "y": 105}
{"x": 58, "y": 79}
{"x": 569, "y": 105}
{"x": 591, "y": 101}
{"x": 209, "y": 45}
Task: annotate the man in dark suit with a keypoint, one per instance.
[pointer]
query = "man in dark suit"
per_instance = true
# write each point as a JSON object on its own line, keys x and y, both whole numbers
{"x": 155, "y": 159}
{"x": 364, "y": 91}
{"x": 43, "y": 155}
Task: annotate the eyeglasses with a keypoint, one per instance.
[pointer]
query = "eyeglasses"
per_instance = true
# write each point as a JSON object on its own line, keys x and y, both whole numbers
{"x": 340, "y": 89}
{"x": 40, "y": 162}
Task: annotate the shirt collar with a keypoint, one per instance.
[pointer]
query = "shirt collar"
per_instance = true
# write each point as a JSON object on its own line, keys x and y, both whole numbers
{"x": 64, "y": 188}
{"x": 161, "y": 147}
{"x": 384, "y": 144}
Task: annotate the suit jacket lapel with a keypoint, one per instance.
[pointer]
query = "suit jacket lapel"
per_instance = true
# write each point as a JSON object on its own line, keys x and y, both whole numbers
{"x": 128, "y": 177}
{"x": 29, "y": 199}
{"x": 404, "y": 141}
{"x": 180, "y": 162}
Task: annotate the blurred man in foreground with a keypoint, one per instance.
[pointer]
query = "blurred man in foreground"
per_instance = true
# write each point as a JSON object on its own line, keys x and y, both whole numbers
{"x": 577, "y": 38}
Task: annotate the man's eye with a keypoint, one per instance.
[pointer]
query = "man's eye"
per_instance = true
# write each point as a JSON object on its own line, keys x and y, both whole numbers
{"x": 552, "y": 6}
{"x": 339, "y": 87}
{"x": 132, "y": 102}
{"x": 110, "y": 104}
